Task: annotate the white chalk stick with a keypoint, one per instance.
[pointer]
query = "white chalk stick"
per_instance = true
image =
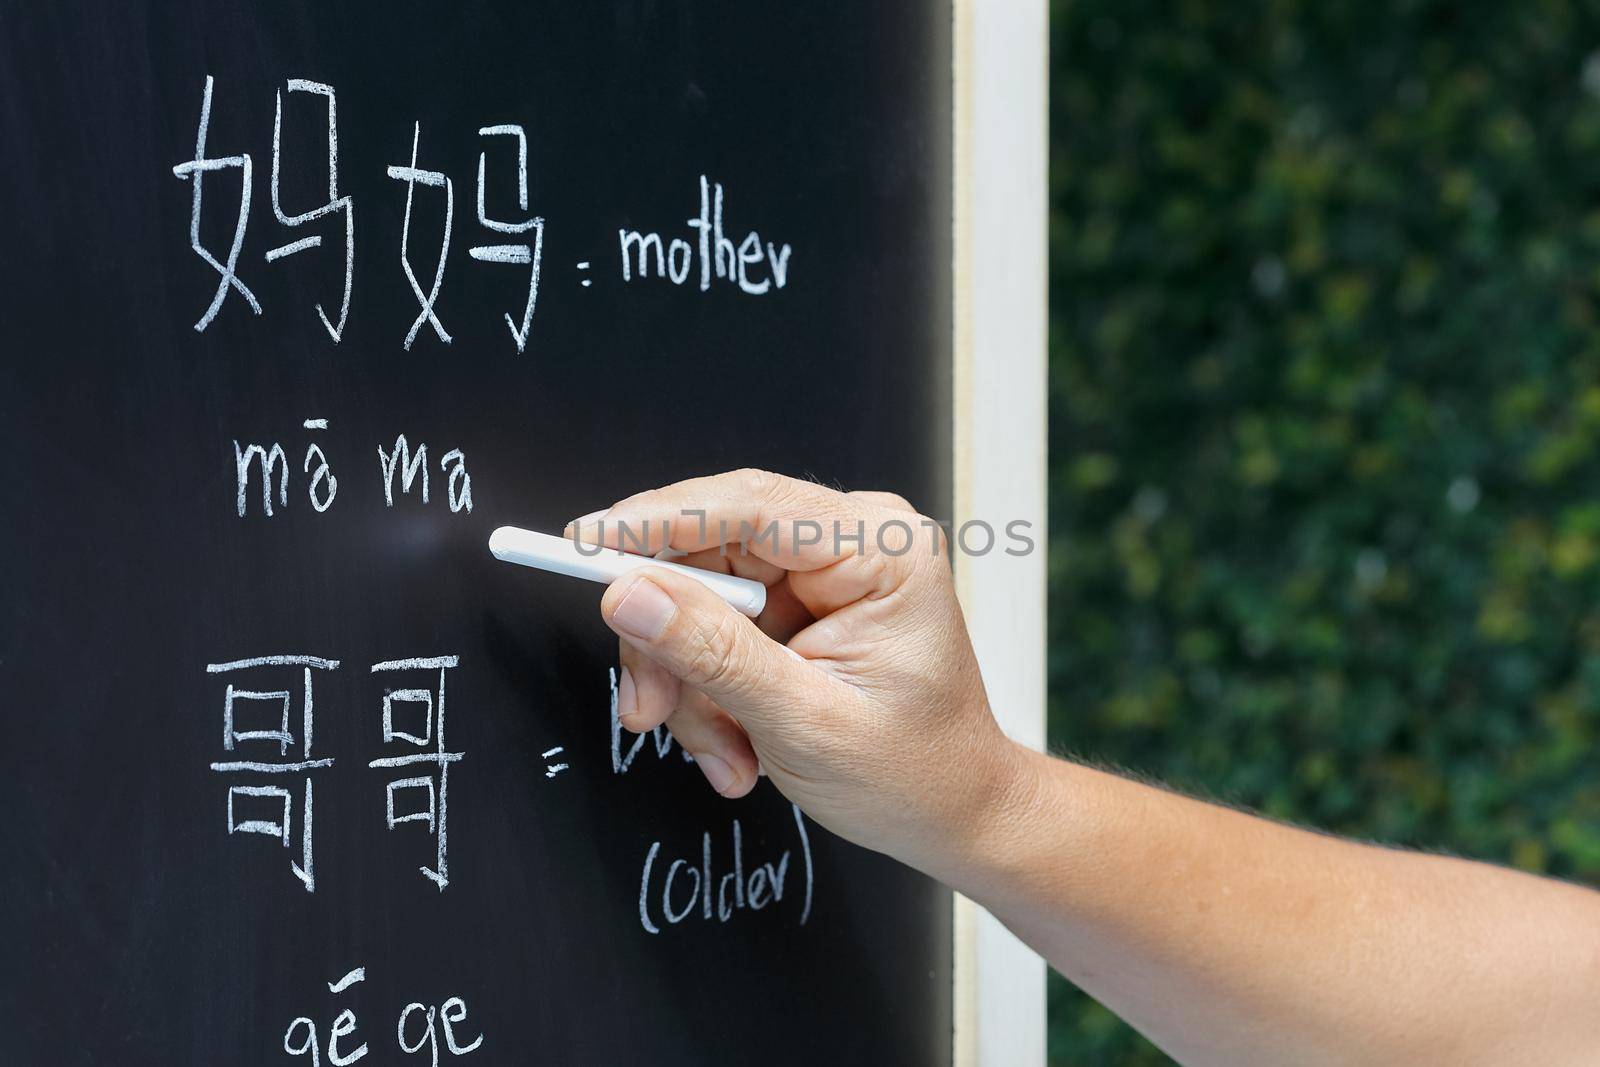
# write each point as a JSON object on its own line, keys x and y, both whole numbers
{"x": 598, "y": 564}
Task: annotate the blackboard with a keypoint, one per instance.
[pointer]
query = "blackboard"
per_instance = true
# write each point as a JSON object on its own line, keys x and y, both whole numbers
{"x": 163, "y": 639}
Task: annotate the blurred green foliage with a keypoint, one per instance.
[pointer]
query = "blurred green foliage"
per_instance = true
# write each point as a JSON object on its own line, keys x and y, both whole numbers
{"x": 1325, "y": 420}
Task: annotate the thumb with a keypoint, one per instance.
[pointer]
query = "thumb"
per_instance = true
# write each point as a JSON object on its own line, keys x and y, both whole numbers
{"x": 700, "y": 639}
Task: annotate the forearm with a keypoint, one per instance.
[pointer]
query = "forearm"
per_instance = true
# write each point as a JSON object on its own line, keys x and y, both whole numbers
{"x": 1225, "y": 938}
{"x": 1230, "y": 939}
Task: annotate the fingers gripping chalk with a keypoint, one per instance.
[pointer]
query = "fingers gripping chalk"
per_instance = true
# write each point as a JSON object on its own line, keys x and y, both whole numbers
{"x": 550, "y": 553}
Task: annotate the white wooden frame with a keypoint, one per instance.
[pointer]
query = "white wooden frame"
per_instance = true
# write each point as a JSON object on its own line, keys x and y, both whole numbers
{"x": 1001, "y": 139}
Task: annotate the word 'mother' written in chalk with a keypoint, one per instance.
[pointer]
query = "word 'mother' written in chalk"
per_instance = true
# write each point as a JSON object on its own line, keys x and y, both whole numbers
{"x": 756, "y": 267}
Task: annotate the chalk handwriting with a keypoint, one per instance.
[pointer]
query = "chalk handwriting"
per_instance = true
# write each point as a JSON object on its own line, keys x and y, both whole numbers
{"x": 413, "y": 719}
{"x": 413, "y": 177}
{"x": 194, "y": 172}
{"x": 422, "y": 1021}
{"x": 267, "y": 761}
{"x": 451, "y": 1013}
{"x": 336, "y": 204}
{"x": 662, "y": 737}
{"x": 402, "y": 461}
{"x": 512, "y": 253}
{"x": 343, "y": 1026}
{"x": 240, "y": 702}
{"x": 429, "y": 703}
{"x": 756, "y": 270}
{"x": 707, "y": 252}
{"x": 408, "y": 466}
{"x": 269, "y": 464}
{"x": 323, "y": 479}
{"x": 683, "y": 888}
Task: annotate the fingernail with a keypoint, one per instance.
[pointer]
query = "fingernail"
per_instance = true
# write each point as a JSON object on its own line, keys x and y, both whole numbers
{"x": 717, "y": 771}
{"x": 581, "y": 521}
{"x": 645, "y": 610}
{"x": 627, "y": 696}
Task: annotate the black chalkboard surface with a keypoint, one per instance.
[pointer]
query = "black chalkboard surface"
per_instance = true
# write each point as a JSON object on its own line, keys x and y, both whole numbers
{"x": 296, "y": 766}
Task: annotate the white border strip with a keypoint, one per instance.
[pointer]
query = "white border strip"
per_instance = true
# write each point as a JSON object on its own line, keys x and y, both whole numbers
{"x": 1001, "y": 85}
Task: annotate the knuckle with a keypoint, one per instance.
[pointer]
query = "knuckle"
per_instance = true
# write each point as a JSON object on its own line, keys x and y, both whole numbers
{"x": 760, "y": 483}
{"x": 879, "y": 571}
{"x": 639, "y": 501}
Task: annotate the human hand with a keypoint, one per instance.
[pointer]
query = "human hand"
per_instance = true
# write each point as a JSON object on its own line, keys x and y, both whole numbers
{"x": 856, "y": 690}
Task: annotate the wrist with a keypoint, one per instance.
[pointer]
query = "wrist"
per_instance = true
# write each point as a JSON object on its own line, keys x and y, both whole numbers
{"x": 1005, "y": 794}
